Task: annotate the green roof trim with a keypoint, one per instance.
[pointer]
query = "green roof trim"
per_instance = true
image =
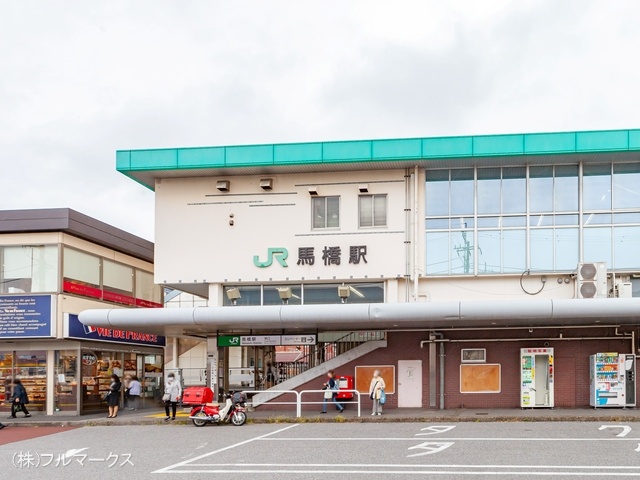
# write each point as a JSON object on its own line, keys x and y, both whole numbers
{"x": 367, "y": 151}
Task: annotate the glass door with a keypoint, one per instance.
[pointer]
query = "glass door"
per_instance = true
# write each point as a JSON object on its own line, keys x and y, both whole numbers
{"x": 150, "y": 368}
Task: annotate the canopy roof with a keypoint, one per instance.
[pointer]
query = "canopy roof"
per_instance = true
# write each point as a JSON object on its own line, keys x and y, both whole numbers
{"x": 145, "y": 166}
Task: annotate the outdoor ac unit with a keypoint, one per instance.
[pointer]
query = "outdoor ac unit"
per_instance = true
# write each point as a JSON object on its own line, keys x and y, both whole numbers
{"x": 623, "y": 290}
{"x": 592, "y": 280}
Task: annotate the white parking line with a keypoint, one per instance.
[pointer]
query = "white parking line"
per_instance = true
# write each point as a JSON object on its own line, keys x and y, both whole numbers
{"x": 224, "y": 449}
{"x": 369, "y": 465}
{"x": 456, "y": 439}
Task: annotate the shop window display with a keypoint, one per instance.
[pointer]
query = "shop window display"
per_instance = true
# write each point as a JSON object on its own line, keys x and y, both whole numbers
{"x": 66, "y": 381}
{"x": 97, "y": 368}
{"x": 31, "y": 368}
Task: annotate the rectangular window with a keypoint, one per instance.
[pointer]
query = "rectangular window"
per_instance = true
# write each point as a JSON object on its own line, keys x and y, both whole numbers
{"x": 146, "y": 289}
{"x": 326, "y": 212}
{"x": 81, "y": 268}
{"x": 373, "y": 210}
{"x": 29, "y": 269}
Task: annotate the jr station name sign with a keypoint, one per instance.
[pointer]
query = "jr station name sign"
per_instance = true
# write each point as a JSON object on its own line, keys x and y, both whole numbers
{"x": 265, "y": 340}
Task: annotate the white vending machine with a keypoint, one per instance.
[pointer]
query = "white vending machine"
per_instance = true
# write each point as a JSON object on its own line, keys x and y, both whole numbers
{"x": 536, "y": 377}
{"x": 612, "y": 380}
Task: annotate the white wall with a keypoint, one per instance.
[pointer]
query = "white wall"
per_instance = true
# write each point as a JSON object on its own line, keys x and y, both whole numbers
{"x": 195, "y": 243}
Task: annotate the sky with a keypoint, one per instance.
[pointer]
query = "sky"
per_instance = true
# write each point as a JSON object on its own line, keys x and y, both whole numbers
{"x": 81, "y": 79}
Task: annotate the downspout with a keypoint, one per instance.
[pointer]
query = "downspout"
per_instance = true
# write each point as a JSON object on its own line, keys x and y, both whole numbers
{"x": 407, "y": 233}
{"x": 432, "y": 367}
{"x": 415, "y": 234}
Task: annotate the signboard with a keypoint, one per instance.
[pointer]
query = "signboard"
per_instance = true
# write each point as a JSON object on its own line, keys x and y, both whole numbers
{"x": 26, "y": 316}
{"x": 74, "y": 329}
{"x": 298, "y": 340}
{"x": 265, "y": 340}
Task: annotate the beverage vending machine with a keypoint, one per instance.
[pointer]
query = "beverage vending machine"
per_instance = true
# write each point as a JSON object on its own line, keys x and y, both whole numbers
{"x": 612, "y": 380}
{"x": 536, "y": 377}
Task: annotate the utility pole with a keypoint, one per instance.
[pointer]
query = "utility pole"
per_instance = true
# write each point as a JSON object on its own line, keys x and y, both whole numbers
{"x": 464, "y": 252}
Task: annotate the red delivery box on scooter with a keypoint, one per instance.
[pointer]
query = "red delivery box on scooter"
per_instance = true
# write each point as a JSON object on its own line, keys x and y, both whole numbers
{"x": 197, "y": 395}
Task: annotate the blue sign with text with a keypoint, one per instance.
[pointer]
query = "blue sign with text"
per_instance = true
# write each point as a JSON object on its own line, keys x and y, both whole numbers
{"x": 101, "y": 334}
{"x": 25, "y": 316}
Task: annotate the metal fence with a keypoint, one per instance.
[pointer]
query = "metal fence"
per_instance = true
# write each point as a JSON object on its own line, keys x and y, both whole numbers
{"x": 298, "y": 399}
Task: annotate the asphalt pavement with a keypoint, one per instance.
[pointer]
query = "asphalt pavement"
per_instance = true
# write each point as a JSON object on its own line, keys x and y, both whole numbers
{"x": 510, "y": 450}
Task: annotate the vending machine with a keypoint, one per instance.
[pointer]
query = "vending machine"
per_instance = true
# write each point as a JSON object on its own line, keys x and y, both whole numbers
{"x": 536, "y": 377}
{"x": 612, "y": 380}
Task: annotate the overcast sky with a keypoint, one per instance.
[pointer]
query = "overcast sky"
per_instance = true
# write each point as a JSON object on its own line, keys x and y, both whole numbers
{"x": 81, "y": 79}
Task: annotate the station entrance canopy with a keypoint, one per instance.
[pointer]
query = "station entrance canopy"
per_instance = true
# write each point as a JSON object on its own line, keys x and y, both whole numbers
{"x": 378, "y": 316}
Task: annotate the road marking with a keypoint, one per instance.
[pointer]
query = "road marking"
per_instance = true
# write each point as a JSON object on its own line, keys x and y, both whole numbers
{"x": 626, "y": 429}
{"x": 475, "y": 439}
{"x": 432, "y": 430}
{"x": 369, "y": 465}
{"x": 637, "y": 449}
{"x": 429, "y": 448}
{"x": 220, "y": 450}
{"x": 548, "y": 473}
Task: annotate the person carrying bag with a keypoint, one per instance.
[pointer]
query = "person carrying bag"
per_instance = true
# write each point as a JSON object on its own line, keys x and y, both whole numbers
{"x": 376, "y": 392}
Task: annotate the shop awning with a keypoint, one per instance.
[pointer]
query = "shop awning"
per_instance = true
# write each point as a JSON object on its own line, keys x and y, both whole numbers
{"x": 376, "y": 316}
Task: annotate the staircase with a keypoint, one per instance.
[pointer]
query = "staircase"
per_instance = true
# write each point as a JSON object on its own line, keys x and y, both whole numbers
{"x": 336, "y": 354}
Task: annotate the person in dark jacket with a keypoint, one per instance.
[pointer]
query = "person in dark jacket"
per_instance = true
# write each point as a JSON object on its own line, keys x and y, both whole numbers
{"x": 113, "y": 399}
{"x": 19, "y": 399}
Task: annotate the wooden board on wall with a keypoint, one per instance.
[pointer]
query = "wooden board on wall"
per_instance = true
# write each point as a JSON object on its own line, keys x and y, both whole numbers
{"x": 364, "y": 374}
{"x": 480, "y": 378}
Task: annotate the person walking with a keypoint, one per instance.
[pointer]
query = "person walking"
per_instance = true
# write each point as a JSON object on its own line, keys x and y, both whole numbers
{"x": 113, "y": 397}
{"x": 135, "y": 390}
{"x": 19, "y": 399}
{"x": 172, "y": 394}
{"x": 376, "y": 388}
{"x": 272, "y": 378}
{"x": 331, "y": 392}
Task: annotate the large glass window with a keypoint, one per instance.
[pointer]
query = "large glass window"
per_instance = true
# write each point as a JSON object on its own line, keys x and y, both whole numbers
{"x": 488, "y": 190}
{"x": 81, "y": 268}
{"x": 596, "y": 184}
{"x": 373, "y": 210}
{"x": 437, "y": 193}
{"x": 597, "y": 244}
{"x": 29, "y": 269}
{"x": 437, "y": 253}
{"x": 461, "y": 192}
{"x": 626, "y": 251}
{"x": 272, "y": 295}
{"x": 117, "y": 277}
{"x": 326, "y": 212}
{"x": 567, "y": 248}
{"x": 626, "y": 186}
{"x": 514, "y": 190}
{"x": 146, "y": 289}
{"x": 565, "y": 188}
{"x": 462, "y": 252}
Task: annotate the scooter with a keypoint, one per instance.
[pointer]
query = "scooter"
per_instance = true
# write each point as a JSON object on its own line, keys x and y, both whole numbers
{"x": 234, "y": 411}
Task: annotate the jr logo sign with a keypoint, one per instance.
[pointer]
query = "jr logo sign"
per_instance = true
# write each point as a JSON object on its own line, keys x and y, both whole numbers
{"x": 280, "y": 254}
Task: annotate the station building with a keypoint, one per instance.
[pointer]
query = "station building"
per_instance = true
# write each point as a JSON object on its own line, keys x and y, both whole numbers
{"x": 475, "y": 271}
{"x": 55, "y": 263}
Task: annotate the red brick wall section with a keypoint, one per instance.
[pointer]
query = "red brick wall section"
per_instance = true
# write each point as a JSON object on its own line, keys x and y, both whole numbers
{"x": 571, "y": 366}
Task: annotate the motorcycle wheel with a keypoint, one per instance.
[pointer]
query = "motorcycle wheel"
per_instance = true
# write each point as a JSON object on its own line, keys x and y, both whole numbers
{"x": 238, "y": 418}
{"x": 201, "y": 421}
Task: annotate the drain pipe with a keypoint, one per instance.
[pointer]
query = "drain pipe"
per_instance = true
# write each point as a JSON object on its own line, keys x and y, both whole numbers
{"x": 432, "y": 367}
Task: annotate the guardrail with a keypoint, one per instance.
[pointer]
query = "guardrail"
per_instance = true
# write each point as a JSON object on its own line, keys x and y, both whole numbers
{"x": 298, "y": 403}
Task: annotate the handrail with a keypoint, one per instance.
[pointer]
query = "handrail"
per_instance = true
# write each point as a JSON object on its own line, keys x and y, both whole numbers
{"x": 299, "y": 402}
{"x": 299, "y": 409}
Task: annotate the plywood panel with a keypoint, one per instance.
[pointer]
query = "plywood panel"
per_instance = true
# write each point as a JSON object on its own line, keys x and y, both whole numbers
{"x": 480, "y": 378}
{"x": 364, "y": 374}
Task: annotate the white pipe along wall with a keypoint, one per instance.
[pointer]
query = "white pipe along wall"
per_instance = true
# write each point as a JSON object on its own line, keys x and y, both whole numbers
{"x": 397, "y": 316}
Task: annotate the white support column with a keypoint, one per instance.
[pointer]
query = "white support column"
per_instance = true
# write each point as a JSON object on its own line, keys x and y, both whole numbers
{"x": 51, "y": 370}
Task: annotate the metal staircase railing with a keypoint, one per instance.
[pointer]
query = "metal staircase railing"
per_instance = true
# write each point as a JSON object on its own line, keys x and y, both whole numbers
{"x": 313, "y": 355}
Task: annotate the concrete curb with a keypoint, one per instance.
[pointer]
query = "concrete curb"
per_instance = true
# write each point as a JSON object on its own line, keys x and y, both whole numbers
{"x": 337, "y": 419}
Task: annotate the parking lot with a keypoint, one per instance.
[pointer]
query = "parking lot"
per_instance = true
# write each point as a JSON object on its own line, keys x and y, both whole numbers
{"x": 312, "y": 451}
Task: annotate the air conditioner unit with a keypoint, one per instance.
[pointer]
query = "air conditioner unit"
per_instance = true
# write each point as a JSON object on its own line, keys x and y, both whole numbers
{"x": 592, "y": 280}
{"x": 623, "y": 290}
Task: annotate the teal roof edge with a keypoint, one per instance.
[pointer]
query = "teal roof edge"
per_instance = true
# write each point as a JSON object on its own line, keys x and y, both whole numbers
{"x": 383, "y": 150}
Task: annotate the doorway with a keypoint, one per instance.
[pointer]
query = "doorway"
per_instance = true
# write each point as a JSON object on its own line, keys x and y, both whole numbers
{"x": 410, "y": 383}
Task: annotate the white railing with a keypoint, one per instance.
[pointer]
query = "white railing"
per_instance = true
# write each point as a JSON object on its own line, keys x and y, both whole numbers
{"x": 298, "y": 403}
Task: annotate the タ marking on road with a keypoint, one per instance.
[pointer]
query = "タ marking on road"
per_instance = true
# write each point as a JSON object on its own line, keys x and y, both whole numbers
{"x": 626, "y": 429}
{"x": 220, "y": 450}
{"x": 429, "y": 448}
{"x": 433, "y": 429}
{"x": 637, "y": 449}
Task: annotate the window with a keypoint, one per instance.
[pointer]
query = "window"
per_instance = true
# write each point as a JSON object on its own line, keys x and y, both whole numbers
{"x": 29, "y": 269}
{"x": 326, "y": 212}
{"x": 373, "y": 211}
{"x": 81, "y": 268}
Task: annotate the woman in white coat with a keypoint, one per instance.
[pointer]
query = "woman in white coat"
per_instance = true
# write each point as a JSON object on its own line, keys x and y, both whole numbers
{"x": 375, "y": 391}
{"x": 172, "y": 394}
